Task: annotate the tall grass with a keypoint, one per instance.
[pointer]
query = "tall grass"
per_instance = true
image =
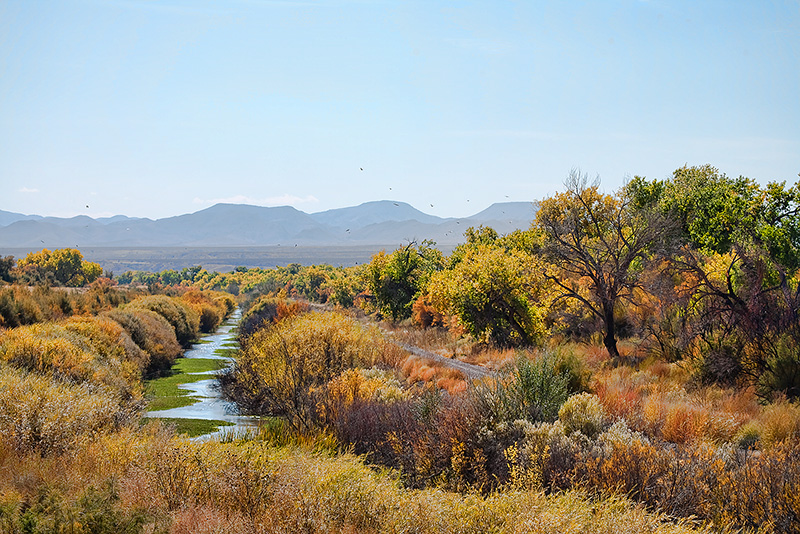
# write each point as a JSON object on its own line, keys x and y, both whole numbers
{"x": 147, "y": 481}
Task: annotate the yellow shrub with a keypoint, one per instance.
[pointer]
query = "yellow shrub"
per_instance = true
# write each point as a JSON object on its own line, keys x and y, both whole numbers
{"x": 280, "y": 370}
{"x": 779, "y": 421}
{"x": 55, "y": 349}
{"x": 39, "y": 414}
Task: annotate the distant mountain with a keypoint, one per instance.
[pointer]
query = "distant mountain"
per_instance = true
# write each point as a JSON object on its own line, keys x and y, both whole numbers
{"x": 117, "y": 218}
{"x": 382, "y": 224}
{"x": 507, "y": 211}
{"x": 373, "y": 213}
{"x": 9, "y": 217}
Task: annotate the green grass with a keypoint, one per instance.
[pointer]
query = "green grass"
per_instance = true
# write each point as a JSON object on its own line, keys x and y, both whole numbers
{"x": 198, "y": 365}
{"x": 194, "y": 427}
{"x": 226, "y": 352}
{"x": 164, "y": 393}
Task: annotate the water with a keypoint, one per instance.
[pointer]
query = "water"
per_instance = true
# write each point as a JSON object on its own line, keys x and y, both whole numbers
{"x": 211, "y": 405}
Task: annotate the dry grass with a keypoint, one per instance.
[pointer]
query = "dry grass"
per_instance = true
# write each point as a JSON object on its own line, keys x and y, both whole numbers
{"x": 166, "y": 485}
{"x": 417, "y": 369}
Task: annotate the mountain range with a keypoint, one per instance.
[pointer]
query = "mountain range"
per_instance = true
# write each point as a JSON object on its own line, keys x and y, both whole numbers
{"x": 380, "y": 223}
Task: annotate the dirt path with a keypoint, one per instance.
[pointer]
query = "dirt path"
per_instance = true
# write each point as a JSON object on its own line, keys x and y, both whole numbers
{"x": 467, "y": 369}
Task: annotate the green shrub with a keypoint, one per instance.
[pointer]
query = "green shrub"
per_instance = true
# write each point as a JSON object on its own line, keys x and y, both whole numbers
{"x": 532, "y": 390}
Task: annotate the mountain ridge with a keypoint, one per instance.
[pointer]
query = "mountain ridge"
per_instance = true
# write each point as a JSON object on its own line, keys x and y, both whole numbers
{"x": 371, "y": 223}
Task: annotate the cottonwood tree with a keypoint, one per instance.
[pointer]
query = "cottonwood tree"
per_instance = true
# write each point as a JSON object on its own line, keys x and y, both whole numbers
{"x": 395, "y": 280}
{"x": 64, "y": 266}
{"x": 596, "y": 246}
{"x": 496, "y": 293}
{"x": 738, "y": 266}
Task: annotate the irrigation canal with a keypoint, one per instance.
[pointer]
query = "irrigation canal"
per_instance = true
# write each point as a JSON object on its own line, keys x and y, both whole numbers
{"x": 210, "y": 405}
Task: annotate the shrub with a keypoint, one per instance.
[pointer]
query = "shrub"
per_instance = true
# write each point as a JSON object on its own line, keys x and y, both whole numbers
{"x": 18, "y": 307}
{"x": 425, "y": 315}
{"x": 180, "y": 315}
{"x": 280, "y": 370}
{"x": 211, "y": 306}
{"x": 267, "y": 311}
{"x": 780, "y": 421}
{"x": 49, "y": 417}
{"x": 53, "y": 349}
{"x": 108, "y": 340}
{"x": 151, "y": 333}
{"x": 583, "y": 413}
{"x": 532, "y": 390}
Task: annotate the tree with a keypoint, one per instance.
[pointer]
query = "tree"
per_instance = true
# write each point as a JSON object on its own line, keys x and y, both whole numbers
{"x": 64, "y": 266}
{"x": 6, "y": 265}
{"x": 495, "y": 293}
{"x": 596, "y": 246}
{"x": 739, "y": 294}
{"x": 397, "y": 279}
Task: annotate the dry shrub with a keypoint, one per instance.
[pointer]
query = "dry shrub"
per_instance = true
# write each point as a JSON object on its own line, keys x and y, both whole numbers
{"x": 152, "y": 333}
{"x": 266, "y": 311}
{"x": 42, "y": 415}
{"x": 18, "y": 307}
{"x": 425, "y": 315}
{"x": 183, "y": 319}
{"x": 657, "y": 402}
{"x": 417, "y": 369}
{"x": 211, "y": 307}
{"x": 780, "y": 421}
{"x": 108, "y": 340}
{"x": 280, "y": 371}
{"x": 251, "y": 487}
{"x": 53, "y": 349}
{"x": 391, "y": 356}
{"x": 583, "y": 413}
{"x": 732, "y": 489}
{"x": 207, "y": 520}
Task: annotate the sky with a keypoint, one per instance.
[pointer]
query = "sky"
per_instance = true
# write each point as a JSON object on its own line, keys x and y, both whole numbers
{"x": 158, "y": 108}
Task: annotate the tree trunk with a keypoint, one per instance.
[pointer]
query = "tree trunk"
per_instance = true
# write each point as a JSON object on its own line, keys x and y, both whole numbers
{"x": 610, "y": 339}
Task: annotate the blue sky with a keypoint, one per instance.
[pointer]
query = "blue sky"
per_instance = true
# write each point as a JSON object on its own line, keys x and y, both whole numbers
{"x": 158, "y": 108}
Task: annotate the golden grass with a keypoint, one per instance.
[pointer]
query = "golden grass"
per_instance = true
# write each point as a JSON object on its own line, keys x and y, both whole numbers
{"x": 176, "y": 486}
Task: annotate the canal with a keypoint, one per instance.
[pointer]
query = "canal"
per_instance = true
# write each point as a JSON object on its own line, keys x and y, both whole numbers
{"x": 209, "y": 403}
